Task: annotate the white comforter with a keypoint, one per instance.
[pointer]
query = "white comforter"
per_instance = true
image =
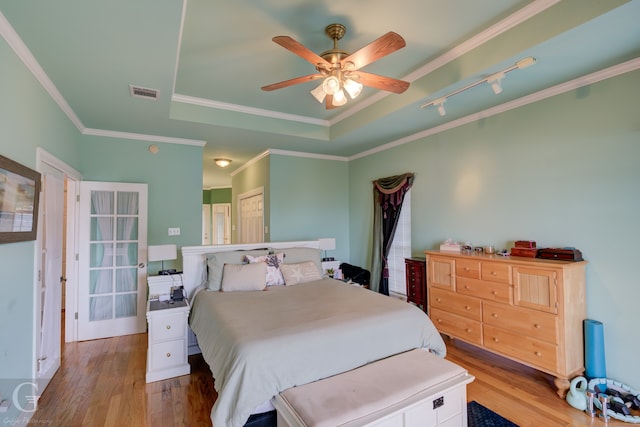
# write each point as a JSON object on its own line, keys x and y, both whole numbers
{"x": 260, "y": 343}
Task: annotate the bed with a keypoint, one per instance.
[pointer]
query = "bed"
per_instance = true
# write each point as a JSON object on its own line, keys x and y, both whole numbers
{"x": 259, "y": 343}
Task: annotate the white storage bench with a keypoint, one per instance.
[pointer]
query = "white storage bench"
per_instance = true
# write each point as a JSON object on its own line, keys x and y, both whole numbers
{"x": 412, "y": 389}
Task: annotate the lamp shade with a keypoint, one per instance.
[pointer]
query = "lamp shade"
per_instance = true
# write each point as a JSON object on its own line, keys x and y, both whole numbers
{"x": 327, "y": 244}
{"x": 162, "y": 252}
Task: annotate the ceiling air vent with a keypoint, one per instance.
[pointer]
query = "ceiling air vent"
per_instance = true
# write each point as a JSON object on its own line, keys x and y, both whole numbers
{"x": 143, "y": 92}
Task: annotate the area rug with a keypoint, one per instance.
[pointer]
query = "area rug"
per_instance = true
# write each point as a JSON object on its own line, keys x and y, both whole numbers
{"x": 480, "y": 416}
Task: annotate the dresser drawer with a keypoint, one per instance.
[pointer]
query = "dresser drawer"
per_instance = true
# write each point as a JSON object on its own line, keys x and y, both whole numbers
{"x": 468, "y": 268}
{"x": 535, "y": 352}
{"x": 496, "y": 272}
{"x": 167, "y": 354}
{"x": 523, "y": 321}
{"x": 167, "y": 327}
{"x": 500, "y": 292}
{"x": 463, "y": 305}
{"x": 458, "y": 326}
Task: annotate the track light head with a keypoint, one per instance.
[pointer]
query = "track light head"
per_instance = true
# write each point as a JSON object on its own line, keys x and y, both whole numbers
{"x": 440, "y": 104}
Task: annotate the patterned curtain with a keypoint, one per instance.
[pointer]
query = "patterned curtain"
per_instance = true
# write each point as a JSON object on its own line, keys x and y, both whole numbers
{"x": 388, "y": 195}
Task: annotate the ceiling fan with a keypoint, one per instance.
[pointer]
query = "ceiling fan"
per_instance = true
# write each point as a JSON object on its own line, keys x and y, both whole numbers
{"x": 340, "y": 69}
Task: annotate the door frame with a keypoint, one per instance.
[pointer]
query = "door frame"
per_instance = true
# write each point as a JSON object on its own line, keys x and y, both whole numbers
{"x": 44, "y": 160}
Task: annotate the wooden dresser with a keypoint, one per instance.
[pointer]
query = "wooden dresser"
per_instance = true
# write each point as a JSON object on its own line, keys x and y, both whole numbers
{"x": 527, "y": 309}
{"x": 416, "y": 281}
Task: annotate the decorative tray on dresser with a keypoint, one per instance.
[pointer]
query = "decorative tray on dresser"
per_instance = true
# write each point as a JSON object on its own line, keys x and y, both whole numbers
{"x": 526, "y": 309}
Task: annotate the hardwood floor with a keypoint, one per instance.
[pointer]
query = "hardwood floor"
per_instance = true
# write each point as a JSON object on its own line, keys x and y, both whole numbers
{"x": 102, "y": 383}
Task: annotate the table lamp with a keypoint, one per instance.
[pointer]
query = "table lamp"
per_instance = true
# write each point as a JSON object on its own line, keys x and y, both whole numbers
{"x": 162, "y": 253}
{"x": 327, "y": 244}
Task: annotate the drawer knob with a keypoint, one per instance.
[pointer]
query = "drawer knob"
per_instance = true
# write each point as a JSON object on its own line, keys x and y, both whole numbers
{"x": 537, "y": 326}
{"x": 168, "y": 326}
{"x": 468, "y": 330}
{"x": 494, "y": 292}
{"x": 466, "y": 307}
{"x": 466, "y": 269}
{"x": 439, "y": 320}
{"x": 537, "y": 353}
{"x": 495, "y": 339}
{"x": 494, "y": 315}
{"x": 493, "y": 273}
{"x": 168, "y": 354}
{"x": 439, "y": 299}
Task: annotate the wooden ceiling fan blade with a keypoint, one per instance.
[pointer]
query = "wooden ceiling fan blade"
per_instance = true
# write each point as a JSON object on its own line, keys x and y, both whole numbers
{"x": 381, "y": 82}
{"x": 375, "y": 50}
{"x": 291, "y": 82}
{"x": 300, "y": 50}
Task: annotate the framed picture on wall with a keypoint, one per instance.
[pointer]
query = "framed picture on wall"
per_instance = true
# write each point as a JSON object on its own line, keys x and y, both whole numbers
{"x": 19, "y": 196}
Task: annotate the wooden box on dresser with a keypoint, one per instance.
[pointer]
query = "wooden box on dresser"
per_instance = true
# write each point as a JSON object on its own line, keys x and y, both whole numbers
{"x": 527, "y": 309}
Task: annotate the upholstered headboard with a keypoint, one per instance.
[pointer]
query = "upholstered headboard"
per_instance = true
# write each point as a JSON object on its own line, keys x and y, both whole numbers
{"x": 194, "y": 258}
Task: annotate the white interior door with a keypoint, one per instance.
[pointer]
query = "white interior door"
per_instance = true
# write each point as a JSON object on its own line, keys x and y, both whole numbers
{"x": 206, "y": 224}
{"x": 251, "y": 213}
{"x": 112, "y": 260}
{"x": 221, "y": 223}
{"x": 50, "y": 295}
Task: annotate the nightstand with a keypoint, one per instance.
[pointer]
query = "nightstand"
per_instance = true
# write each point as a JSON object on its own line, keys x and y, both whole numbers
{"x": 167, "y": 350}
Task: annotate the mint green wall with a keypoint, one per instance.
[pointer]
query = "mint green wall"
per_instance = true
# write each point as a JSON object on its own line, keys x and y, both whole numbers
{"x": 28, "y": 119}
{"x": 310, "y": 200}
{"x": 252, "y": 177}
{"x": 564, "y": 172}
{"x": 174, "y": 178}
{"x": 216, "y": 195}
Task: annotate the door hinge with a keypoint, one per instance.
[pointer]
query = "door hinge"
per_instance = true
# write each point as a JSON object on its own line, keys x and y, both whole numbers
{"x": 77, "y": 198}
{"x": 76, "y": 316}
{"x": 77, "y": 257}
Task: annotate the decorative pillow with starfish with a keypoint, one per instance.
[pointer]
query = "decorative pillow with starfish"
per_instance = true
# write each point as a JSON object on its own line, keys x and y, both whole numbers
{"x": 274, "y": 276}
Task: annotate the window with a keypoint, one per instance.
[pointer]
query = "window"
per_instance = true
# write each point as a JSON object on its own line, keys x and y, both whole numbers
{"x": 400, "y": 249}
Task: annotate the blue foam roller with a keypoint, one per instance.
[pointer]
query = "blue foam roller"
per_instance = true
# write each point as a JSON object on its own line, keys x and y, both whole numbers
{"x": 595, "y": 363}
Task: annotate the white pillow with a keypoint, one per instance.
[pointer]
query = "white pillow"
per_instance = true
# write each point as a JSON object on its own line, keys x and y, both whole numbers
{"x": 243, "y": 277}
{"x": 302, "y": 272}
{"x": 217, "y": 260}
{"x": 274, "y": 276}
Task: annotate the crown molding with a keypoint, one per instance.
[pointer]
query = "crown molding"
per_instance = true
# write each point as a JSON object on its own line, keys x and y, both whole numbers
{"x": 247, "y": 110}
{"x": 143, "y": 137}
{"x": 307, "y": 155}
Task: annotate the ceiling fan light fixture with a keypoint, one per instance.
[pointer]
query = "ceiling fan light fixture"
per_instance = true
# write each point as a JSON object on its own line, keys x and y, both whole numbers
{"x": 223, "y": 163}
{"x": 353, "y": 88}
{"x": 339, "y": 98}
{"x": 319, "y": 94}
{"x": 331, "y": 85}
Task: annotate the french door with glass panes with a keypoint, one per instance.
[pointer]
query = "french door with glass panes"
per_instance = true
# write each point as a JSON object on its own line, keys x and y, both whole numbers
{"x": 112, "y": 259}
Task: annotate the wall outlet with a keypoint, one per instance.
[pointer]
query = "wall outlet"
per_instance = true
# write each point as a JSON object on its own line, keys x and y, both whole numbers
{"x": 174, "y": 231}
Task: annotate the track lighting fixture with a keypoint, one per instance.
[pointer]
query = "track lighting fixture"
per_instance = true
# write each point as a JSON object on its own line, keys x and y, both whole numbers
{"x": 495, "y": 80}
